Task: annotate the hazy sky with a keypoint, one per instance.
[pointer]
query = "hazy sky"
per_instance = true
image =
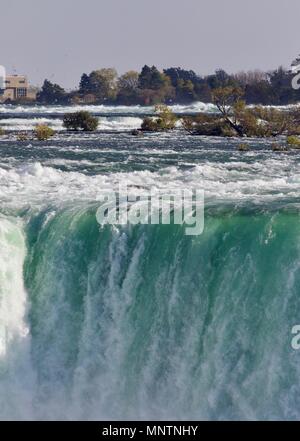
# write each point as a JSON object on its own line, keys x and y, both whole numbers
{"x": 60, "y": 39}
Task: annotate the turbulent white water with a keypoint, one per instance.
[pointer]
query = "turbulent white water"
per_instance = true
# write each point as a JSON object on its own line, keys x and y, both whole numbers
{"x": 12, "y": 294}
{"x": 231, "y": 181}
{"x": 38, "y": 115}
{"x": 22, "y": 124}
{"x": 115, "y": 110}
{"x": 111, "y": 123}
{"x": 112, "y": 117}
{"x": 17, "y": 380}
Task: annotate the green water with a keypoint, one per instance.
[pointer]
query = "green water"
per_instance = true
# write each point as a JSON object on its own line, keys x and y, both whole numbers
{"x": 141, "y": 322}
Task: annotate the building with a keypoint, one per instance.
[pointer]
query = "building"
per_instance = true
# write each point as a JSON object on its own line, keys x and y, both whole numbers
{"x": 17, "y": 89}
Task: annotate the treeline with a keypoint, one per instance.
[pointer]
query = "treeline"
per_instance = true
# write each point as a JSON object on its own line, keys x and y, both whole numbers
{"x": 172, "y": 86}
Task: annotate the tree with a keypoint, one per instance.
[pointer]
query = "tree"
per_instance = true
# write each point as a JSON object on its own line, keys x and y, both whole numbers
{"x": 80, "y": 121}
{"x": 102, "y": 83}
{"x": 129, "y": 81}
{"x": 280, "y": 80}
{"x": 251, "y": 77}
{"x": 156, "y": 87}
{"x": 203, "y": 92}
{"x": 260, "y": 92}
{"x": 52, "y": 93}
{"x": 245, "y": 119}
{"x": 185, "y": 91}
{"x": 128, "y": 86}
{"x": 151, "y": 78}
{"x": 145, "y": 78}
{"x": 225, "y": 98}
{"x": 220, "y": 79}
{"x": 176, "y": 74}
{"x": 84, "y": 85}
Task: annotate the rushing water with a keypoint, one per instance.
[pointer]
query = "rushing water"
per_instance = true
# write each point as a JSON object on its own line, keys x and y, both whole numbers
{"x": 144, "y": 321}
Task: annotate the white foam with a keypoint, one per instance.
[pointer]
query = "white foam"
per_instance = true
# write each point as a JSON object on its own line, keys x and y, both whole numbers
{"x": 105, "y": 124}
{"x": 17, "y": 378}
{"x": 115, "y": 110}
{"x": 22, "y": 124}
{"x": 269, "y": 179}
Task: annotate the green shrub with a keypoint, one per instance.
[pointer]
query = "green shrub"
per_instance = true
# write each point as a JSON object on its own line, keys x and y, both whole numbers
{"x": 43, "y": 132}
{"x": 278, "y": 147}
{"x": 207, "y": 125}
{"x": 81, "y": 121}
{"x": 150, "y": 125}
{"x": 2, "y": 132}
{"x": 165, "y": 120}
{"x": 293, "y": 141}
{"x": 243, "y": 147}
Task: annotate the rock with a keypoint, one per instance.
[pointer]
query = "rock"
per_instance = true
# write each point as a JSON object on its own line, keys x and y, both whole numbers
{"x": 137, "y": 132}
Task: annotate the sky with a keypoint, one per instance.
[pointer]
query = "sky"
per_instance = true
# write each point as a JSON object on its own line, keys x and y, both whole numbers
{"x": 61, "y": 39}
